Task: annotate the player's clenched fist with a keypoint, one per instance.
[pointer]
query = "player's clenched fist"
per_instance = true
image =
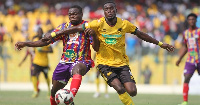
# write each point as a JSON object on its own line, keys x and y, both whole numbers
{"x": 19, "y": 45}
{"x": 90, "y": 31}
{"x": 168, "y": 47}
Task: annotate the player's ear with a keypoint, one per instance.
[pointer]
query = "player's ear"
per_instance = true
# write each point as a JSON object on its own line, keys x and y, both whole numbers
{"x": 82, "y": 14}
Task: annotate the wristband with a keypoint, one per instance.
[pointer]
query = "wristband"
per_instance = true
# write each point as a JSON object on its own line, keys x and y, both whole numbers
{"x": 53, "y": 34}
{"x": 83, "y": 26}
{"x": 160, "y": 43}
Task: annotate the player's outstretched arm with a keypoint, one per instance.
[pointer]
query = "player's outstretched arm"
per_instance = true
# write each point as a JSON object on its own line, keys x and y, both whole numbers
{"x": 183, "y": 51}
{"x": 39, "y": 43}
{"x": 48, "y": 36}
{"x": 95, "y": 43}
{"x": 149, "y": 39}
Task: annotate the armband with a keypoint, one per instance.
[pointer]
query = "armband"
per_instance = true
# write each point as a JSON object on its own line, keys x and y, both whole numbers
{"x": 160, "y": 43}
{"x": 53, "y": 34}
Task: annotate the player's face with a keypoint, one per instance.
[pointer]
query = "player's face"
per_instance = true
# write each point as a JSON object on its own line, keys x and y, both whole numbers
{"x": 110, "y": 11}
{"x": 75, "y": 16}
{"x": 191, "y": 21}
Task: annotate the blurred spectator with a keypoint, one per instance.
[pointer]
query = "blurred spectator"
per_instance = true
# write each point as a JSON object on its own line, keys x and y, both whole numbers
{"x": 147, "y": 74}
{"x": 198, "y": 21}
{"x": 25, "y": 25}
{"x": 2, "y": 35}
{"x": 131, "y": 42}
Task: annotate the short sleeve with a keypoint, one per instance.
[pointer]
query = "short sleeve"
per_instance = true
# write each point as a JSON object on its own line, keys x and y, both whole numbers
{"x": 93, "y": 24}
{"x": 60, "y": 27}
{"x": 129, "y": 27}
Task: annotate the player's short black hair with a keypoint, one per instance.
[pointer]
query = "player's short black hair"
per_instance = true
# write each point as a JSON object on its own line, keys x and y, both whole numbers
{"x": 78, "y": 7}
{"x": 109, "y": 2}
{"x": 192, "y": 14}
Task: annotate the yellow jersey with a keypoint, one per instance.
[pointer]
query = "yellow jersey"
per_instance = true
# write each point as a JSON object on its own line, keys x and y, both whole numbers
{"x": 41, "y": 58}
{"x": 112, "y": 41}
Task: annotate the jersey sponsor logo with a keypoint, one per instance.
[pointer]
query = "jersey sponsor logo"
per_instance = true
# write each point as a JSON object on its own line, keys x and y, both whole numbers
{"x": 69, "y": 53}
{"x": 111, "y": 39}
{"x": 193, "y": 53}
{"x": 111, "y": 36}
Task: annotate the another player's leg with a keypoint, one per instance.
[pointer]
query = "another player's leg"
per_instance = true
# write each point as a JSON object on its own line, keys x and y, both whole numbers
{"x": 186, "y": 88}
{"x": 45, "y": 71}
{"x": 56, "y": 86}
{"x": 188, "y": 72}
{"x": 35, "y": 86}
{"x": 79, "y": 69}
{"x": 97, "y": 81}
{"x": 35, "y": 81}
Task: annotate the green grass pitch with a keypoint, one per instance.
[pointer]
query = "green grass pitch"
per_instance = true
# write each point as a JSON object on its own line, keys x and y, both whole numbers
{"x": 24, "y": 98}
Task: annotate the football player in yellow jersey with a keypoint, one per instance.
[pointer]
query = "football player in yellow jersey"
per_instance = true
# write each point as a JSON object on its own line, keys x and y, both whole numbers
{"x": 111, "y": 58}
{"x": 40, "y": 64}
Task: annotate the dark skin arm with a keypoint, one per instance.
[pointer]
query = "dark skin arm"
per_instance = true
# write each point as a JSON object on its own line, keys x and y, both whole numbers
{"x": 149, "y": 39}
{"x": 47, "y": 38}
{"x": 96, "y": 43}
{"x": 70, "y": 30}
{"x": 138, "y": 33}
{"x": 50, "y": 50}
{"x": 39, "y": 43}
{"x": 184, "y": 50}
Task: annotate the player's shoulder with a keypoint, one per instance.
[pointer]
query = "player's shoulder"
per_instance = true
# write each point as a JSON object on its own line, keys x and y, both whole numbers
{"x": 97, "y": 22}
{"x": 185, "y": 31}
{"x": 123, "y": 21}
{"x": 102, "y": 19}
{"x": 63, "y": 25}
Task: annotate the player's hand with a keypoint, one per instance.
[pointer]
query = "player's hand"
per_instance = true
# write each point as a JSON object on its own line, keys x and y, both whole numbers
{"x": 178, "y": 62}
{"x": 90, "y": 31}
{"x": 47, "y": 38}
{"x": 168, "y": 47}
{"x": 19, "y": 45}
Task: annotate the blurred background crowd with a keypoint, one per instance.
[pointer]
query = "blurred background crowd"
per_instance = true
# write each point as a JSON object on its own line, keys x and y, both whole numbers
{"x": 164, "y": 20}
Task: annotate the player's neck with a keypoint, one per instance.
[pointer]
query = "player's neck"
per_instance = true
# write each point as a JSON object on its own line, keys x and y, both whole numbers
{"x": 111, "y": 22}
{"x": 79, "y": 22}
{"x": 192, "y": 27}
